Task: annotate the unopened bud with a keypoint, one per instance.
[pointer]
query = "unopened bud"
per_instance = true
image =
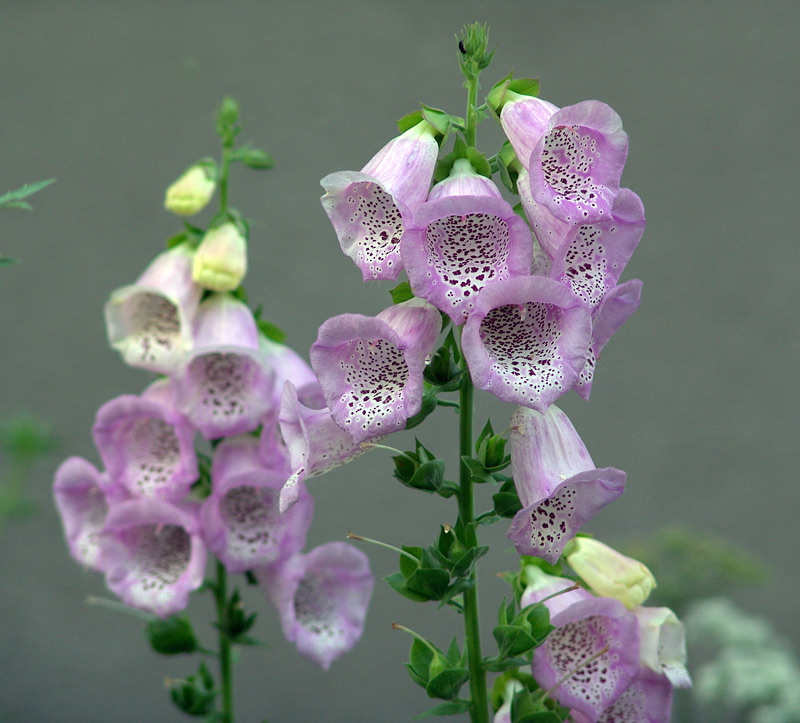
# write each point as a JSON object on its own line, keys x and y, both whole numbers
{"x": 190, "y": 193}
{"x": 610, "y": 573}
{"x": 220, "y": 262}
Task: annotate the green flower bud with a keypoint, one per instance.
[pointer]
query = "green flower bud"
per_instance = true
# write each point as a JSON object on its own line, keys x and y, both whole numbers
{"x": 609, "y": 573}
{"x": 191, "y": 192}
{"x": 220, "y": 261}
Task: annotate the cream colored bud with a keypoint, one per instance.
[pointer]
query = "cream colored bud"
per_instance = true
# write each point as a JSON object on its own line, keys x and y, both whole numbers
{"x": 610, "y": 573}
{"x": 220, "y": 261}
{"x": 190, "y": 193}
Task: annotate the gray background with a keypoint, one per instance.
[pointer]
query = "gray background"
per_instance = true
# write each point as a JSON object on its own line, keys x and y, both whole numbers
{"x": 696, "y": 397}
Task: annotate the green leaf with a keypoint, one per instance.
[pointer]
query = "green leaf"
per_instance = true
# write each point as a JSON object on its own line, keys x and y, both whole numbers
{"x": 452, "y": 707}
{"x": 195, "y": 695}
{"x": 479, "y": 162}
{"x": 272, "y": 332}
{"x": 429, "y": 404}
{"x": 171, "y": 636}
{"x": 464, "y": 566}
{"x": 462, "y": 584}
{"x": 6, "y": 261}
{"x": 420, "y": 658}
{"x": 407, "y": 565}
{"x": 447, "y": 683}
{"x": 512, "y": 640}
{"x": 253, "y": 158}
{"x": 525, "y": 86}
{"x": 12, "y": 199}
{"x": 477, "y": 471}
{"x": 453, "y": 654}
{"x": 402, "y": 292}
{"x": 428, "y": 582}
{"x": 429, "y": 476}
{"x": 398, "y": 583}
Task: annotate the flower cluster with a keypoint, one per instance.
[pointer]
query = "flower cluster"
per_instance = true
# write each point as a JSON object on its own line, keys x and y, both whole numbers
{"x": 149, "y": 520}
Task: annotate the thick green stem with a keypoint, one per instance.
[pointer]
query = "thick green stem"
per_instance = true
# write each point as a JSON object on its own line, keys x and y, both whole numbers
{"x": 226, "y": 678}
{"x": 472, "y": 115}
{"x": 479, "y": 711}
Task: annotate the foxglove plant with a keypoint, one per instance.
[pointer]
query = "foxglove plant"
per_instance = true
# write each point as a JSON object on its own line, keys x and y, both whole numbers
{"x": 514, "y": 299}
{"x": 162, "y": 506}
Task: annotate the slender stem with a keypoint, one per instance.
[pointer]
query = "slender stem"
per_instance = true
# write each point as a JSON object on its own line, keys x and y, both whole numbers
{"x": 223, "y": 178}
{"x": 472, "y": 115}
{"x": 479, "y": 711}
{"x": 221, "y": 596}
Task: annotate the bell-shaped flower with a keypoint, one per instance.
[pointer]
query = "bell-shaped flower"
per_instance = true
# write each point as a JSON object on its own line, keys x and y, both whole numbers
{"x": 459, "y": 243}
{"x": 663, "y": 644}
{"x": 241, "y": 522}
{"x": 191, "y": 193}
{"x": 224, "y": 387}
{"x": 316, "y": 443}
{"x": 153, "y": 554}
{"x": 79, "y": 491}
{"x": 370, "y": 368}
{"x": 149, "y": 322}
{"x": 593, "y": 256}
{"x": 220, "y": 262}
{"x": 524, "y": 120}
{"x": 576, "y": 165}
{"x": 558, "y": 485}
{"x": 287, "y": 366}
{"x": 609, "y": 573}
{"x": 591, "y": 657}
{"x": 550, "y": 232}
{"x": 322, "y": 599}
{"x": 370, "y": 209}
{"x": 147, "y": 445}
{"x": 503, "y": 713}
{"x": 615, "y": 309}
{"x": 526, "y": 340}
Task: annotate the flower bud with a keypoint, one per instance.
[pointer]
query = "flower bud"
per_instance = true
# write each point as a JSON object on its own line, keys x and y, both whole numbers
{"x": 220, "y": 262}
{"x": 610, "y": 573}
{"x": 190, "y": 193}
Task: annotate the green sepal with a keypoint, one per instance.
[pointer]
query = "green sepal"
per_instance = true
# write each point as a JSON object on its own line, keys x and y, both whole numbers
{"x": 501, "y": 665}
{"x": 537, "y": 619}
{"x": 479, "y": 162}
{"x": 402, "y": 292}
{"x": 270, "y": 330}
{"x": 461, "y": 585}
{"x": 429, "y": 404}
{"x": 439, "y": 119}
{"x": 506, "y": 500}
{"x": 236, "y": 624}
{"x": 445, "y": 164}
{"x": 429, "y": 476}
{"x": 512, "y": 640}
{"x": 478, "y": 472}
{"x": 420, "y": 658}
{"x": 171, "y": 636}
{"x": 13, "y": 199}
{"x": 448, "y": 489}
{"x": 444, "y": 371}
{"x": 465, "y": 564}
{"x": 7, "y": 261}
{"x": 525, "y": 86}
{"x": 422, "y": 682}
{"x": 453, "y": 654}
{"x": 527, "y": 709}
{"x": 497, "y": 96}
{"x": 451, "y": 707}
{"x": 429, "y": 582}
{"x": 398, "y": 583}
{"x": 227, "y": 116}
{"x": 177, "y": 239}
{"x": 195, "y": 695}
{"x": 447, "y": 683}
{"x": 407, "y": 565}
{"x": 466, "y": 533}
{"x": 253, "y": 158}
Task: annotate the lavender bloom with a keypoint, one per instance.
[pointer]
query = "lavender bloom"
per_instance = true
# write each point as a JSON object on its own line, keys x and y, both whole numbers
{"x": 322, "y": 599}
{"x": 153, "y": 555}
{"x": 550, "y": 232}
{"x": 458, "y": 243}
{"x": 149, "y": 322}
{"x": 526, "y": 340}
{"x": 224, "y": 387}
{"x": 591, "y": 657}
{"x": 369, "y": 210}
{"x": 370, "y": 368}
{"x": 82, "y": 506}
{"x": 593, "y": 257}
{"x": 315, "y": 443}
{"x": 576, "y": 166}
{"x": 146, "y": 445}
{"x": 663, "y": 644}
{"x": 241, "y": 522}
{"x": 558, "y": 485}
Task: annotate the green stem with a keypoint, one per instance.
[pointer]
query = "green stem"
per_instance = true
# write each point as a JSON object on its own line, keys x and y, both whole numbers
{"x": 479, "y": 711}
{"x": 471, "y": 119}
{"x": 221, "y": 597}
{"x": 223, "y": 178}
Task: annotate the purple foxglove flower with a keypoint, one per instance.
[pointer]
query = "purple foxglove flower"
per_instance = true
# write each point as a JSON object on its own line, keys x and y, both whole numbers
{"x": 369, "y": 210}
{"x": 316, "y": 444}
{"x": 82, "y": 505}
{"x": 591, "y": 657}
{"x": 550, "y": 232}
{"x": 153, "y": 554}
{"x": 457, "y": 244}
{"x": 558, "y": 485}
{"x": 322, "y": 599}
{"x": 576, "y": 166}
{"x": 617, "y": 305}
{"x": 524, "y": 120}
{"x": 224, "y": 386}
{"x": 146, "y": 445}
{"x": 149, "y": 322}
{"x": 526, "y": 340}
{"x": 591, "y": 260}
{"x": 648, "y": 699}
{"x": 241, "y": 522}
{"x": 287, "y": 365}
{"x": 663, "y": 644}
{"x": 370, "y": 368}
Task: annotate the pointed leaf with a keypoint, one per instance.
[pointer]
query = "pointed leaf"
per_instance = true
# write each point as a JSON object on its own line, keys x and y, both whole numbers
{"x": 447, "y": 683}
{"x": 452, "y": 707}
{"x": 398, "y": 583}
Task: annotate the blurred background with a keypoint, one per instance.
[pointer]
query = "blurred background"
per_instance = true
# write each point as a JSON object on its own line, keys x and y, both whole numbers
{"x": 696, "y": 398}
